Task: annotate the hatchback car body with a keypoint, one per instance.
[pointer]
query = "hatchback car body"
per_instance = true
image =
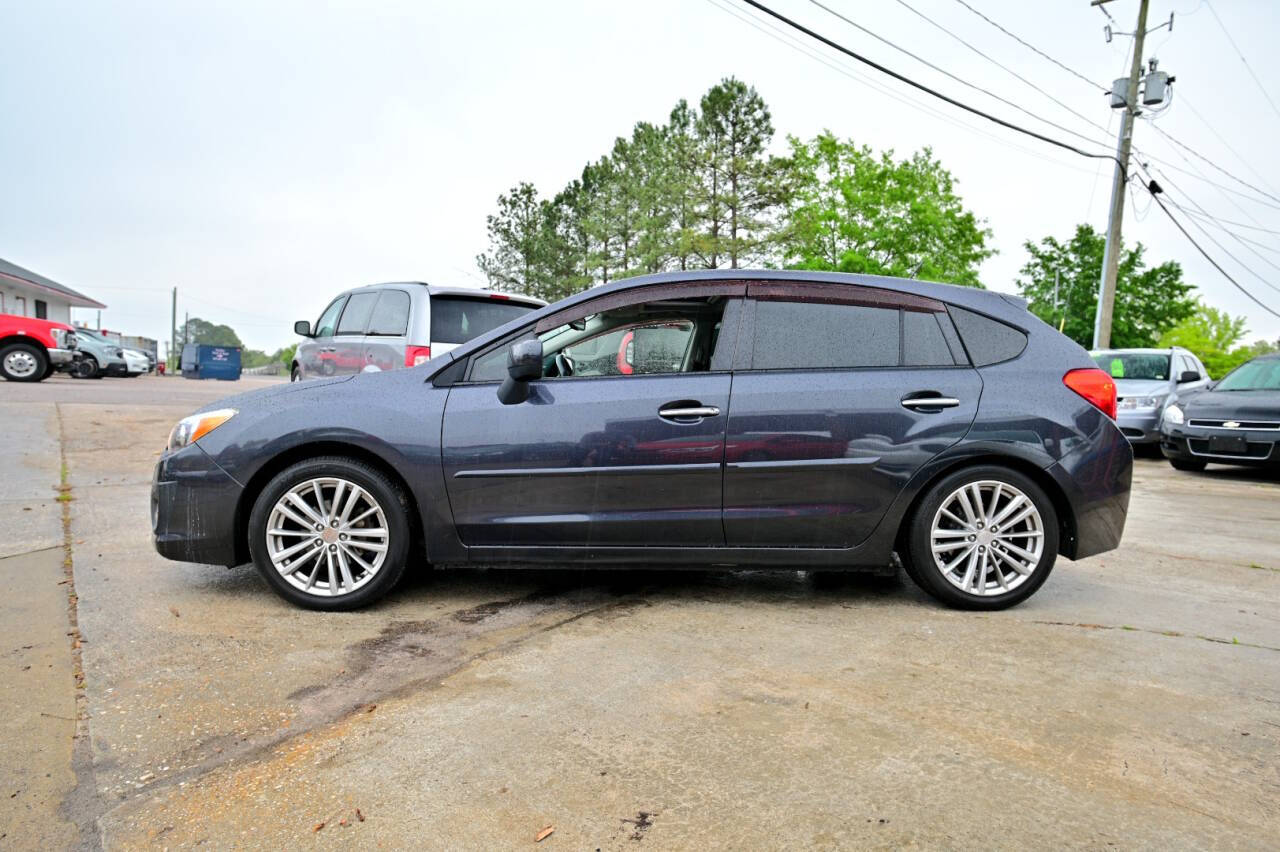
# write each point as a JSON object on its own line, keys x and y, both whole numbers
{"x": 389, "y": 326}
{"x": 1148, "y": 380}
{"x": 748, "y": 418}
{"x": 1236, "y": 422}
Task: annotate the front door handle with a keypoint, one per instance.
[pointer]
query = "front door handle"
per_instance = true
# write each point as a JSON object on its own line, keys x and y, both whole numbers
{"x": 684, "y": 412}
{"x": 917, "y": 402}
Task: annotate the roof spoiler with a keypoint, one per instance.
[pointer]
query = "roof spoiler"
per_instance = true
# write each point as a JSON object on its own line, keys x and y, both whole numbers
{"x": 1017, "y": 301}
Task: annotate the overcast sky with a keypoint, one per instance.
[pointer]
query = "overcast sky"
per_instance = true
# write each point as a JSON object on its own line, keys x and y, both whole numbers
{"x": 263, "y": 156}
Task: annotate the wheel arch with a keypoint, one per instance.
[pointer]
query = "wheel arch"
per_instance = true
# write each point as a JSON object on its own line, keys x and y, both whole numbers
{"x": 1041, "y": 477}
{"x": 23, "y": 338}
{"x": 310, "y": 450}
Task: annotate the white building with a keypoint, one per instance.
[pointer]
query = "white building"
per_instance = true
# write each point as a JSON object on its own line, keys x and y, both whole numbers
{"x": 27, "y": 294}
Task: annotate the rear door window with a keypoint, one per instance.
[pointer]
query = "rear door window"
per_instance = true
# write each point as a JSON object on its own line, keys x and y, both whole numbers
{"x": 923, "y": 342}
{"x": 390, "y": 317}
{"x": 816, "y": 335}
{"x": 457, "y": 319}
{"x": 356, "y": 316}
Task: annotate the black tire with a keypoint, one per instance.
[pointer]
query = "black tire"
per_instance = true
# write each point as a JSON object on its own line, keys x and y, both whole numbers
{"x": 390, "y": 497}
{"x": 48, "y": 371}
{"x": 23, "y": 354}
{"x": 295, "y": 375}
{"x": 919, "y": 559}
{"x": 87, "y": 368}
{"x": 1190, "y": 465}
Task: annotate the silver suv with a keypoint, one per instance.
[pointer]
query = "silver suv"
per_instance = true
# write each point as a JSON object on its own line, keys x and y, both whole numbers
{"x": 389, "y": 326}
{"x": 1147, "y": 380}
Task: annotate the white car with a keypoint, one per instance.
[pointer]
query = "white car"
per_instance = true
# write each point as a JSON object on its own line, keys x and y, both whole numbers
{"x": 136, "y": 362}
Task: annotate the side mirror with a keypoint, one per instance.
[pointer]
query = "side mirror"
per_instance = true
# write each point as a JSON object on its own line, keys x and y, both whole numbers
{"x": 1188, "y": 376}
{"x": 302, "y": 328}
{"x": 524, "y": 365}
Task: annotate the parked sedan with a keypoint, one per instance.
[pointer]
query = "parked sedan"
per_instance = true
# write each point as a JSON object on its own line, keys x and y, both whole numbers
{"x": 1237, "y": 422}
{"x": 136, "y": 363}
{"x": 102, "y": 357}
{"x": 1148, "y": 380}
{"x": 869, "y": 417}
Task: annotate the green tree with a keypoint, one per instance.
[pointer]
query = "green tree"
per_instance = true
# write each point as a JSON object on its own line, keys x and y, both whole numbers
{"x": 284, "y": 356}
{"x": 853, "y": 211}
{"x": 1215, "y": 337}
{"x": 515, "y": 260}
{"x": 1149, "y": 300}
{"x": 738, "y": 188}
{"x": 196, "y": 330}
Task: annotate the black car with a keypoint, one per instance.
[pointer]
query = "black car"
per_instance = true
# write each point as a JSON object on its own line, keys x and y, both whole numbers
{"x": 725, "y": 418}
{"x": 1237, "y": 421}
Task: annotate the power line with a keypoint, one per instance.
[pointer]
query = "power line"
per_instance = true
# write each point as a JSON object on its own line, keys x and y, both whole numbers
{"x": 1209, "y": 257}
{"x": 1243, "y": 225}
{"x": 1224, "y": 142}
{"x": 1200, "y": 156}
{"x": 784, "y": 37}
{"x": 1032, "y": 47}
{"x": 1244, "y": 61}
{"x": 948, "y": 74}
{"x": 922, "y": 87}
{"x": 999, "y": 65}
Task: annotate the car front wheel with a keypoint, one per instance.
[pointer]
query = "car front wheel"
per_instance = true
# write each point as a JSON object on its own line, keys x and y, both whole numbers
{"x": 983, "y": 538}
{"x": 87, "y": 368}
{"x": 330, "y": 533}
{"x": 23, "y": 362}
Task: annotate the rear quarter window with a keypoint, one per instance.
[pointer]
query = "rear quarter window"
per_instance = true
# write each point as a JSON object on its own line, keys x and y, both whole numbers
{"x": 459, "y": 319}
{"x": 988, "y": 341}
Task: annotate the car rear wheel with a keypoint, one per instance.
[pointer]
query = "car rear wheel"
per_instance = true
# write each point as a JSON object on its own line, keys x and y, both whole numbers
{"x": 23, "y": 362}
{"x": 983, "y": 538}
{"x": 295, "y": 375}
{"x": 330, "y": 533}
{"x": 1192, "y": 465}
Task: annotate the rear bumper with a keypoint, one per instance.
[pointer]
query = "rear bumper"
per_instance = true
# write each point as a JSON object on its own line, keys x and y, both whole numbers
{"x": 1191, "y": 443}
{"x": 193, "y": 506}
{"x": 1096, "y": 480}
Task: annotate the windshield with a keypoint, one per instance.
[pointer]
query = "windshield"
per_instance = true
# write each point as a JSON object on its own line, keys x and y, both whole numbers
{"x": 1261, "y": 374}
{"x": 457, "y": 320}
{"x": 1134, "y": 365}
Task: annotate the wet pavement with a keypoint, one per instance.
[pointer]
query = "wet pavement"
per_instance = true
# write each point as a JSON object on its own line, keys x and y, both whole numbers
{"x": 1135, "y": 700}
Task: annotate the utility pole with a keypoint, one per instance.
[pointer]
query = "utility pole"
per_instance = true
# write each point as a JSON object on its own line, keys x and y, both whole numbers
{"x": 173, "y": 327}
{"x": 1111, "y": 258}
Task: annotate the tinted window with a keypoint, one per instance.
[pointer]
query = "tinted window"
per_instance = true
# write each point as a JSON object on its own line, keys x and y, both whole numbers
{"x": 815, "y": 335}
{"x": 329, "y": 319}
{"x": 391, "y": 315}
{"x": 988, "y": 341}
{"x": 356, "y": 316}
{"x": 923, "y": 344}
{"x": 457, "y": 320}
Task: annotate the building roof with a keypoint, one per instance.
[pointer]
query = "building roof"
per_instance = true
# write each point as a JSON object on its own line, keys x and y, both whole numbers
{"x": 13, "y": 272}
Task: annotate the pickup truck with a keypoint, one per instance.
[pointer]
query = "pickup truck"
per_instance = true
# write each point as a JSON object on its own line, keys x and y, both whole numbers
{"x": 32, "y": 349}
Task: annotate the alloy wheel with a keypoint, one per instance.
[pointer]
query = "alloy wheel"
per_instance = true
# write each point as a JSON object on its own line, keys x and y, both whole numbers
{"x": 327, "y": 536}
{"x": 20, "y": 364}
{"x": 987, "y": 538}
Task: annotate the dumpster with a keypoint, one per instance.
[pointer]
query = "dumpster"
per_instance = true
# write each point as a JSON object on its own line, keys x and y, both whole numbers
{"x": 206, "y": 361}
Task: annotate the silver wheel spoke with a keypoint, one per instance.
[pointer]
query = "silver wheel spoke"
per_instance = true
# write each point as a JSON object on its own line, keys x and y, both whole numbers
{"x": 313, "y": 541}
{"x": 970, "y": 555}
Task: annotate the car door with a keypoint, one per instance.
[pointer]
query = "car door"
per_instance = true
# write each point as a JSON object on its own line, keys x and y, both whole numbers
{"x": 385, "y": 338}
{"x": 346, "y": 348}
{"x": 624, "y": 451}
{"x": 314, "y": 352}
{"x": 840, "y": 394}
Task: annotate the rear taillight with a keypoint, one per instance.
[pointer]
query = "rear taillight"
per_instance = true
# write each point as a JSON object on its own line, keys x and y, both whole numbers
{"x": 415, "y": 355}
{"x": 1096, "y": 386}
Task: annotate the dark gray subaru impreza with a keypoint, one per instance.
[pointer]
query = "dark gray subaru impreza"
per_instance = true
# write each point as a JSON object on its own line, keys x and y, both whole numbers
{"x": 762, "y": 419}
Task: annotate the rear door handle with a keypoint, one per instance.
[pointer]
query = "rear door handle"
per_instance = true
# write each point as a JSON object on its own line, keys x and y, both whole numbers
{"x": 917, "y": 402}
{"x": 688, "y": 412}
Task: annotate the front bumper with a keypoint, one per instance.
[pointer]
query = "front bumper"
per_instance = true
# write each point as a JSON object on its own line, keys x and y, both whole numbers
{"x": 1140, "y": 426}
{"x": 61, "y": 357}
{"x": 193, "y": 509}
{"x": 1192, "y": 443}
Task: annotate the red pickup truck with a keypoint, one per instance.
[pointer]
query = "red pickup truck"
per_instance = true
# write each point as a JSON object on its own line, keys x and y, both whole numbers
{"x": 32, "y": 349}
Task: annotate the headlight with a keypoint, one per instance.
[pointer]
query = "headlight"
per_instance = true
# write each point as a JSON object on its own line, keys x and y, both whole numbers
{"x": 193, "y": 428}
{"x": 1136, "y": 402}
{"x": 1173, "y": 415}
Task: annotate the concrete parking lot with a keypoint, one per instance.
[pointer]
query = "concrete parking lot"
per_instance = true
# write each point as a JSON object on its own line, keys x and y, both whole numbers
{"x": 1134, "y": 701}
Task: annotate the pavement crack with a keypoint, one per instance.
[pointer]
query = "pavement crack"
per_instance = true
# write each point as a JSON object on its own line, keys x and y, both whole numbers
{"x": 1178, "y": 634}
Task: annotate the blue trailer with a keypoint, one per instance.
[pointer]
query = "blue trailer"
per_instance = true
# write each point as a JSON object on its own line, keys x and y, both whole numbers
{"x": 206, "y": 361}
